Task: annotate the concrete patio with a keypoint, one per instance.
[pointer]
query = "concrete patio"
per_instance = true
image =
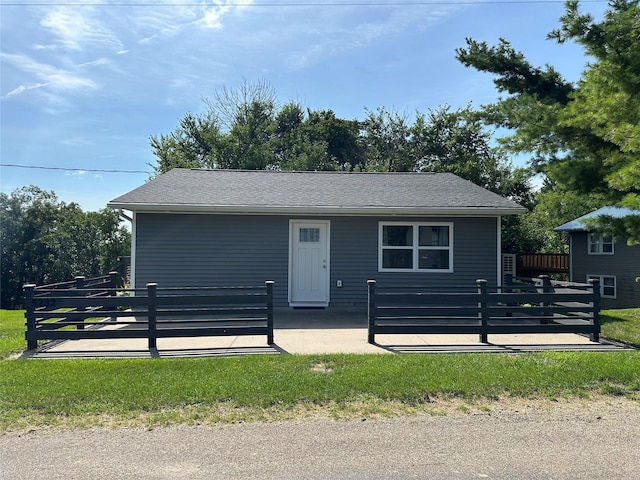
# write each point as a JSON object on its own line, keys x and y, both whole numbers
{"x": 316, "y": 331}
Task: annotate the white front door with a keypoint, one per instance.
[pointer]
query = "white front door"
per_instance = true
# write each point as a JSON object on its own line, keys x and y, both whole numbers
{"x": 309, "y": 263}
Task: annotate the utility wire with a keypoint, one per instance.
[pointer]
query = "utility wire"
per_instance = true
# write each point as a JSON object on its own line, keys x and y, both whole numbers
{"x": 289, "y": 4}
{"x": 65, "y": 169}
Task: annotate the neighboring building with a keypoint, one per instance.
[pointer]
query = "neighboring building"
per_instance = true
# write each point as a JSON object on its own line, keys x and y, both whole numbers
{"x": 611, "y": 260}
{"x": 319, "y": 235}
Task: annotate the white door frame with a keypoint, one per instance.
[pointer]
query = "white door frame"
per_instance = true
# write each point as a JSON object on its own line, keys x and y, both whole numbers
{"x": 320, "y": 302}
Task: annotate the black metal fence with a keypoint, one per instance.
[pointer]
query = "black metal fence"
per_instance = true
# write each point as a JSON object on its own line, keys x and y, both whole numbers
{"x": 72, "y": 310}
{"x": 521, "y": 306}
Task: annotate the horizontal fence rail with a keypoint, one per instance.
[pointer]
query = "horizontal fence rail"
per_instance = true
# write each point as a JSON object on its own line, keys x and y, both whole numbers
{"x": 533, "y": 306}
{"x": 100, "y": 310}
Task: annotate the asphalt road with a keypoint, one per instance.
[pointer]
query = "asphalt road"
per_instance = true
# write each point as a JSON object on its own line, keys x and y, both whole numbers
{"x": 595, "y": 442}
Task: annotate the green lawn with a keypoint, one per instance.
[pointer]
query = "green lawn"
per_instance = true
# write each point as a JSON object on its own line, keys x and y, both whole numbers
{"x": 36, "y": 393}
{"x": 11, "y": 332}
{"x": 622, "y": 325}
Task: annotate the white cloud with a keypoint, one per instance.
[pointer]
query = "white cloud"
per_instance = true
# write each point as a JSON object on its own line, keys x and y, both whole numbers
{"x": 344, "y": 31}
{"x": 77, "y": 28}
{"x": 76, "y": 173}
{"x": 48, "y": 76}
{"x": 212, "y": 16}
{"x": 38, "y": 46}
{"x": 95, "y": 63}
{"x": 207, "y": 16}
{"x": 24, "y": 88}
{"x": 76, "y": 142}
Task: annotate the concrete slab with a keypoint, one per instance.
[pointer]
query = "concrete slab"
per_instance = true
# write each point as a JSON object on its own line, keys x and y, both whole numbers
{"x": 316, "y": 332}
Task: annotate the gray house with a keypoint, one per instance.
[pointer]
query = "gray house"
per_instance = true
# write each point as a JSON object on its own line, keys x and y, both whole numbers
{"x": 609, "y": 259}
{"x": 319, "y": 235}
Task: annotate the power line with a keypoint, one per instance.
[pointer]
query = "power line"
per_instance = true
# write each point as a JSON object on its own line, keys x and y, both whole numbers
{"x": 291, "y": 4}
{"x": 97, "y": 170}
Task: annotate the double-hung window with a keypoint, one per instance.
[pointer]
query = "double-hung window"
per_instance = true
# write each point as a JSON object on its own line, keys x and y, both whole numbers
{"x": 607, "y": 285}
{"x": 415, "y": 247}
{"x": 600, "y": 244}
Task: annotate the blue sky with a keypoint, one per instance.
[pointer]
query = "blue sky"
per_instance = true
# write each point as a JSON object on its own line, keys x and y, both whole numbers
{"x": 84, "y": 84}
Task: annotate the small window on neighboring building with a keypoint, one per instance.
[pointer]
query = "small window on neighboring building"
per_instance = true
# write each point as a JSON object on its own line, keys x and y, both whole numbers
{"x": 600, "y": 244}
{"x": 607, "y": 285}
{"x": 419, "y": 247}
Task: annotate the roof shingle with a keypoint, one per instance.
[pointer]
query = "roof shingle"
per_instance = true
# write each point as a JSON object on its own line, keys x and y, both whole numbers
{"x": 262, "y": 191}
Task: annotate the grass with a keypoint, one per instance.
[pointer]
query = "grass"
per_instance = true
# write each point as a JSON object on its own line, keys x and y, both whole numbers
{"x": 622, "y": 325}
{"x": 74, "y": 392}
{"x": 11, "y": 332}
{"x": 90, "y": 392}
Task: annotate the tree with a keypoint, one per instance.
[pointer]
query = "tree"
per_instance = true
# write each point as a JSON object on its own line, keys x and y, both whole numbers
{"x": 606, "y": 103}
{"x": 243, "y": 128}
{"x": 387, "y": 142}
{"x": 45, "y": 241}
{"x": 195, "y": 143}
{"x": 233, "y": 132}
{"x": 585, "y": 137}
{"x": 442, "y": 141}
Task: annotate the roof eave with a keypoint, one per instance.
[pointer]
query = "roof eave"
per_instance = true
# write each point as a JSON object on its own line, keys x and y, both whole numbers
{"x": 315, "y": 210}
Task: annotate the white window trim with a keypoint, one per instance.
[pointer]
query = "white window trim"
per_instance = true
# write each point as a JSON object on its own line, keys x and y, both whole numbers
{"x": 600, "y": 244}
{"x": 416, "y": 248}
{"x": 601, "y": 279}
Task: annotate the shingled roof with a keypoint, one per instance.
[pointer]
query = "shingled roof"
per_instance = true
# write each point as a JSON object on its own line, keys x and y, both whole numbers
{"x": 264, "y": 192}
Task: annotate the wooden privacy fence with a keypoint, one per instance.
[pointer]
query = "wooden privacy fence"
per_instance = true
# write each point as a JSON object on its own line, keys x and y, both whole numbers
{"x": 537, "y": 306}
{"x": 534, "y": 264}
{"x": 71, "y": 312}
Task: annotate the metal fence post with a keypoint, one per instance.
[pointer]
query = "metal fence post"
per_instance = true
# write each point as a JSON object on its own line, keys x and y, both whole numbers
{"x": 482, "y": 309}
{"x": 371, "y": 310}
{"x": 508, "y": 283}
{"x": 30, "y": 316}
{"x": 79, "y": 287}
{"x": 595, "y": 285}
{"x": 508, "y": 279}
{"x": 113, "y": 288}
{"x": 113, "y": 280}
{"x": 547, "y": 287}
{"x": 269, "y": 284}
{"x": 152, "y": 298}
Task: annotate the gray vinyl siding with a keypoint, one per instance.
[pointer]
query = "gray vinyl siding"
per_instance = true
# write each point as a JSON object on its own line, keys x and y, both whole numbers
{"x": 176, "y": 250}
{"x": 212, "y": 250}
{"x": 624, "y": 264}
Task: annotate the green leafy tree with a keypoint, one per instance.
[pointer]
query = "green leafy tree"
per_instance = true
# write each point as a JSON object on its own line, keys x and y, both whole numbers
{"x": 387, "y": 142}
{"x": 442, "y": 141}
{"x": 584, "y": 137}
{"x": 195, "y": 143}
{"x": 45, "y": 241}
{"x": 243, "y": 128}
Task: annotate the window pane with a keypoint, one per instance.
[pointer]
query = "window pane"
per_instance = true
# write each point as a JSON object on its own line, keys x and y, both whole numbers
{"x": 594, "y": 243}
{"x": 397, "y": 235}
{"x": 607, "y": 244}
{"x": 434, "y": 236}
{"x": 433, "y": 260}
{"x": 309, "y": 235}
{"x": 608, "y": 281}
{"x": 397, "y": 258}
{"x": 609, "y": 291}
